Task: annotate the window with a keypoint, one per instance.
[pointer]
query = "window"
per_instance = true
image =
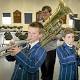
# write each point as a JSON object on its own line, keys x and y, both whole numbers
{"x": 28, "y": 18}
{"x": 6, "y": 18}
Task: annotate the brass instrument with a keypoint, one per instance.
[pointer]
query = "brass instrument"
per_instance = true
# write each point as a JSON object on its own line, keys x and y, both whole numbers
{"x": 13, "y": 44}
{"x": 78, "y": 43}
{"x": 52, "y": 26}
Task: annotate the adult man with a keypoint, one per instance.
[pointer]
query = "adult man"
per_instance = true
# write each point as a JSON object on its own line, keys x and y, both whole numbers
{"x": 47, "y": 68}
{"x": 28, "y": 61}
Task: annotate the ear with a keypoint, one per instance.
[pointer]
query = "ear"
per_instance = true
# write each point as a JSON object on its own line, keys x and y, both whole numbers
{"x": 40, "y": 35}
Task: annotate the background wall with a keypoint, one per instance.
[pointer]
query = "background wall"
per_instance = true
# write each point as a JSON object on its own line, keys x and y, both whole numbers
{"x": 26, "y": 6}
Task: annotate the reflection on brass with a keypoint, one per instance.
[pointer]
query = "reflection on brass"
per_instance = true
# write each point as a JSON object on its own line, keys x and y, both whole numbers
{"x": 11, "y": 45}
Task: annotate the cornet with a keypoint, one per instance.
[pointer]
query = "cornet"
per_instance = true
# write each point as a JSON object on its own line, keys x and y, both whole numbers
{"x": 13, "y": 44}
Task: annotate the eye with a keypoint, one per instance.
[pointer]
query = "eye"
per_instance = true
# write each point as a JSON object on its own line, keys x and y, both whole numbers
{"x": 28, "y": 32}
{"x": 68, "y": 36}
{"x": 72, "y": 36}
{"x": 45, "y": 12}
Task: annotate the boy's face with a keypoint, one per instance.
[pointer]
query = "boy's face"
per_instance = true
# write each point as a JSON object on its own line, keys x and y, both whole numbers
{"x": 69, "y": 38}
{"x": 33, "y": 34}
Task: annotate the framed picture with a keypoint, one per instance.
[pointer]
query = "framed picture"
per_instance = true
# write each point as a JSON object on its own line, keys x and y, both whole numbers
{"x": 17, "y": 16}
{"x": 39, "y": 16}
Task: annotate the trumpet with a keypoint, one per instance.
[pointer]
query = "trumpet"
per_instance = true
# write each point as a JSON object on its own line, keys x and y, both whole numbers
{"x": 22, "y": 43}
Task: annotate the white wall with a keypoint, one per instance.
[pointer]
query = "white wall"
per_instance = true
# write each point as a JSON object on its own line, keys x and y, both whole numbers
{"x": 74, "y": 5}
{"x": 33, "y": 6}
{"x": 24, "y": 6}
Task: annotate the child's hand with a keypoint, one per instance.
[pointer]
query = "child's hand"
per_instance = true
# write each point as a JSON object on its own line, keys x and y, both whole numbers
{"x": 14, "y": 50}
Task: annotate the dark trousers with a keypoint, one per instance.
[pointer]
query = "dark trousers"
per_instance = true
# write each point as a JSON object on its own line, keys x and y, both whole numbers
{"x": 47, "y": 68}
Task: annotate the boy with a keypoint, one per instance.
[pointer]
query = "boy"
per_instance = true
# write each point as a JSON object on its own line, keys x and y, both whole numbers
{"x": 68, "y": 57}
{"x": 28, "y": 61}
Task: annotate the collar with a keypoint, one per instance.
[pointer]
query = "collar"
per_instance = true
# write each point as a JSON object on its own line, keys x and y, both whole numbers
{"x": 69, "y": 46}
{"x": 34, "y": 43}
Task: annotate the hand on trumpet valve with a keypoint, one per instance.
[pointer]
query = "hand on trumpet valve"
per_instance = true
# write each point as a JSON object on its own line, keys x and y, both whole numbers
{"x": 14, "y": 50}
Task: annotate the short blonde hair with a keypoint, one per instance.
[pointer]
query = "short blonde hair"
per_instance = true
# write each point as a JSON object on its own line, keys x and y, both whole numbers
{"x": 66, "y": 31}
{"x": 37, "y": 25}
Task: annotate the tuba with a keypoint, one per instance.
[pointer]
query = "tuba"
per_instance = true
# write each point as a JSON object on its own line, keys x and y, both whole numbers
{"x": 52, "y": 26}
